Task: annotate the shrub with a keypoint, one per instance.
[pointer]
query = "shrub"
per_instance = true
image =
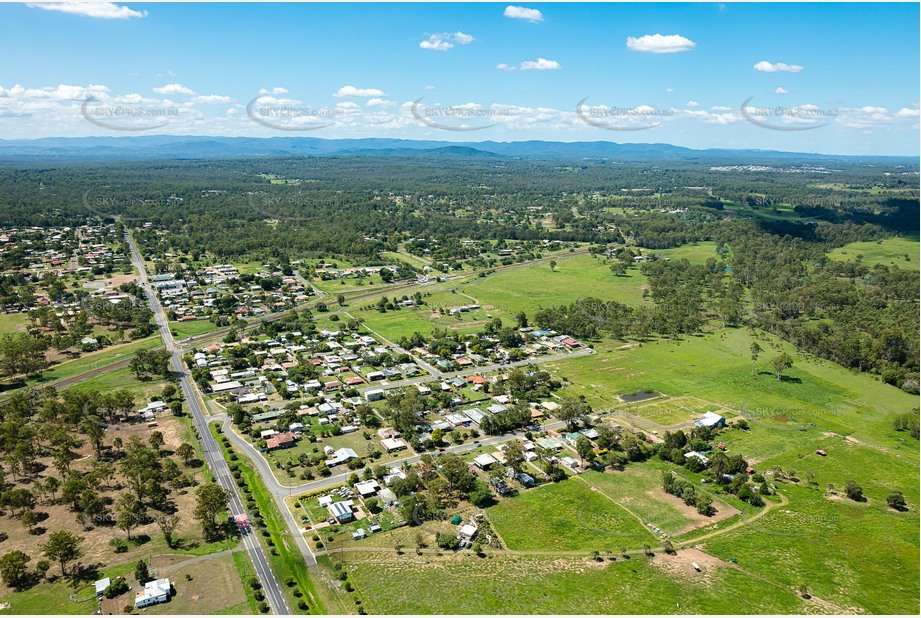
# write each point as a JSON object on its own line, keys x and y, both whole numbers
{"x": 854, "y": 491}
{"x": 118, "y": 587}
{"x": 120, "y": 545}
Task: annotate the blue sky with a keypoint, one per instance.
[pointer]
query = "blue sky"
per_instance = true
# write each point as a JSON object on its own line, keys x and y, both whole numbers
{"x": 833, "y": 78}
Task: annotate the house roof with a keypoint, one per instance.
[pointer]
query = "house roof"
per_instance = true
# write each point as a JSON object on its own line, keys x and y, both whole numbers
{"x": 484, "y": 460}
{"x": 339, "y": 509}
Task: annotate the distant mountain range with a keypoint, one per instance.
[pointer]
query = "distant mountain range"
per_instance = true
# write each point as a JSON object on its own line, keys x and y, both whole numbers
{"x": 193, "y": 147}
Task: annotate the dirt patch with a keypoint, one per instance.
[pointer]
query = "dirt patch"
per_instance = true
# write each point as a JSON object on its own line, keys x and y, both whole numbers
{"x": 680, "y": 564}
{"x": 116, "y": 280}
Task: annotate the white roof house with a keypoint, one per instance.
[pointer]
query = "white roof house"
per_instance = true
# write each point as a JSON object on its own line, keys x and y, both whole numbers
{"x": 710, "y": 419}
{"x": 484, "y": 461}
{"x": 226, "y": 386}
{"x": 101, "y": 585}
{"x": 393, "y": 444}
{"x": 341, "y": 456}
{"x": 393, "y": 477}
{"x": 367, "y": 488}
{"x": 157, "y": 591}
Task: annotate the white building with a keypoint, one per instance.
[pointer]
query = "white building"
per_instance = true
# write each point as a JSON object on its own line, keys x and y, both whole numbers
{"x": 154, "y": 592}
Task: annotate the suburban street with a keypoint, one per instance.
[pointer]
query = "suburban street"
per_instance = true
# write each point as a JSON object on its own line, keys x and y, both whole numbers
{"x": 214, "y": 457}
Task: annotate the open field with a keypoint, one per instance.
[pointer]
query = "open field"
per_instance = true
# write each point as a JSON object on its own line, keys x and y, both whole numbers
{"x": 696, "y": 253}
{"x": 889, "y": 252}
{"x": 845, "y": 552}
{"x": 673, "y": 410}
{"x": 92, "y": 360}
{"x": 523, "y": 584}
{"x": 796, "y": 544}
{"x": 123, "y": 378}
{"x": 566, "y": 516}
{"x": 403, "y": 323}
{"x": 717, "y": 367}
{"x": 194, "y": 328}
{"x": 13, "y": 322}
{"x": 529, "y": 289}
{"x": 639, "y": 490}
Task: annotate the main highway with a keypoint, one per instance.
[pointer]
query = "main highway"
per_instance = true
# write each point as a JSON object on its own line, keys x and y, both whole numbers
{"x": 214, "y": 456}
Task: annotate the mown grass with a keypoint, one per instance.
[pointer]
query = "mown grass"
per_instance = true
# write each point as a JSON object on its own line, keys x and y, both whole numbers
{"x": 566, "y": 516}
{"x": 193, "y": 328}
{"x": 531, "y": 288}
{"x": 55, "y": 597}
{"x": 404, "y": 322}
{"x": 246, "y": 571}
{"x": 639, "y": 490}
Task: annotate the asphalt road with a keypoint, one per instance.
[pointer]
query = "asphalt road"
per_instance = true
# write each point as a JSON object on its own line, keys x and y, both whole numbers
{"x": 214, "y": 457}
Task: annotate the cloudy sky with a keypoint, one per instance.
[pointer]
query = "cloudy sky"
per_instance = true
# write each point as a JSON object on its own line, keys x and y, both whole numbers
{"x": 800, "y": 77}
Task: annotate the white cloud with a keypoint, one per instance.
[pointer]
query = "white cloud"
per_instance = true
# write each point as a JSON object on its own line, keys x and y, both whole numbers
{"x": 430, "y": 87}
{"x": 669, "y": 90}
{"x": 781, "y": 90}
{"x": 520, "y": 12}
{"x": 660, "y": 44}
{"x": 212, "y": 99}
{"x": 98, "y": 10}
{"x": 352, "y": 91}
{"x": 443, "y": 41}
{"x": 173, "y": 89}
{"x": 348, "y": 105}
{"x": 693, "y": 104}
{"x": 504, "y": 67}
{"x": 769, "y": 67}
{"x": 61, "y": 92}
{"x": 906, "y": 112}
{"x": 721, "y": 108}
{"x": 377, "y": 102}
{"x": 541, "y": 64}
{"x": 275, "y": 90}
{"x": 436, "y": 43}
